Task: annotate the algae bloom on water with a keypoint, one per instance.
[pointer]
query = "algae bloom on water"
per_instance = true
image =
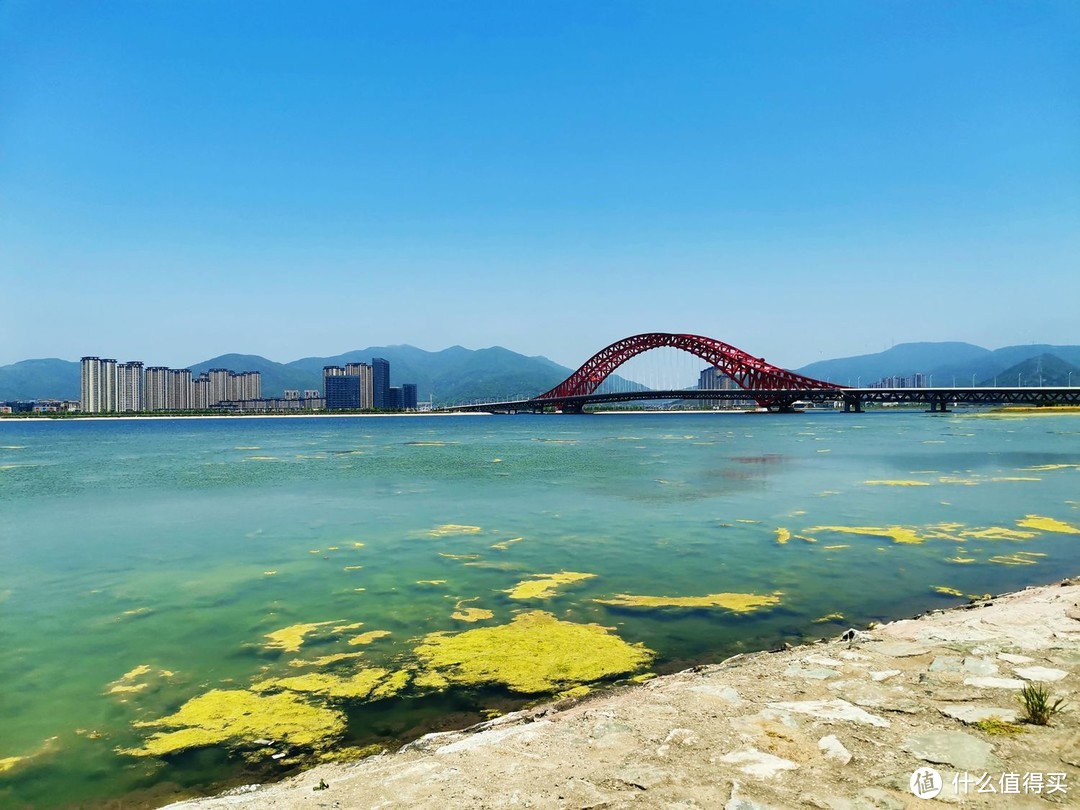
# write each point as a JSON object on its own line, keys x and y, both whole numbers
{"x": 237, "y": 716}
{"x": 735, "y": 602}
{"x": 542, "y": 586}
{"x": 533, "y": 654}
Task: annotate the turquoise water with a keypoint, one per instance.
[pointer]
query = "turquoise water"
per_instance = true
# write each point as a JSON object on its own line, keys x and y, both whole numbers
{"x": 178, "y": 544}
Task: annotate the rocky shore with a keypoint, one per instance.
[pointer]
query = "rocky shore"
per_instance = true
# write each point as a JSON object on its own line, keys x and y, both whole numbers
{"x": 844, "y": 723}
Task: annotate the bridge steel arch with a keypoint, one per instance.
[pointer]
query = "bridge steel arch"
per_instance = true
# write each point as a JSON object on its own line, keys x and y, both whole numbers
{"x": 748, "y": 372}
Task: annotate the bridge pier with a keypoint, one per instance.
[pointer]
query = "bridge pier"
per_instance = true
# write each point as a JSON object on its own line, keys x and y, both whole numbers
{"x": 853, "y": 404}
{"x": 939, "y": 404}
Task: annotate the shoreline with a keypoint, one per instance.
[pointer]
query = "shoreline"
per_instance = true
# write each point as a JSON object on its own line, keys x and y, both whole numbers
{"x": 835, "y": 724}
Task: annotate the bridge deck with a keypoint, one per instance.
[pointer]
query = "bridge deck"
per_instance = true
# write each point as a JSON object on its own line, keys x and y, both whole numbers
{"x": 850, "y": 398}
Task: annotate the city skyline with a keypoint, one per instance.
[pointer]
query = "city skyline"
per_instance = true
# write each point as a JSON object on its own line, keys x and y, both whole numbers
{"x": 803, "y": 182}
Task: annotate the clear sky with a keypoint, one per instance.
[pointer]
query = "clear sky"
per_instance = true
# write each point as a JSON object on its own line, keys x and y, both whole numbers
{"x": 185, "y": 178}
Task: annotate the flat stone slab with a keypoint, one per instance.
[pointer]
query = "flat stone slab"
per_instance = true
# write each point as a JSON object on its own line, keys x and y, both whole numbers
{"x": 994, "y": 683}
{"x": 979, "y": 666}
{"x": 947, "y": 663}
{"x": 757, "y": 763}
{"x": 496, "y": 736}
{"x": 1013, "y": 658}
{"x": 725, "y": 693}
{"x": 819, "y": 674}
{"x": 899, "y": 649}
{"x": 884, "y": 675}
{"x": 951, "y": 748}
{"x": 974, "y": 714}
{"x": 834, "y": 750}
{"x": 1044, "y": 674}
{"x": 832, "y": 710}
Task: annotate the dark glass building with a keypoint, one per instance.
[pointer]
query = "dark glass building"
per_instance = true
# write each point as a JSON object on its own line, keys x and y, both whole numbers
{"x": 380, "y": 383}
{"x": 393, "y": 401}
{"x": 408, "y": 396}
{"x": 342, "y": 392}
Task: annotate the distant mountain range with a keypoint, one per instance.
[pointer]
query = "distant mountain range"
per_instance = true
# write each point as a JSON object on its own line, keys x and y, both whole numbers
{"x": 952, "y": 363}
{"x": 458, "y": 374}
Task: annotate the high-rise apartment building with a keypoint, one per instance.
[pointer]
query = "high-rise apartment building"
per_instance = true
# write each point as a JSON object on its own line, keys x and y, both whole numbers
{"x": 180, "y": 393}
{"x": 380, "y": 383}
{"x": 129, "y": 386}
{"x": 342, "y": 392}
{"x": 155, "y": 388}
{"x": 219, "y": 386}
{"x": 97, "y": 385}
{"x": 363, "y": 371}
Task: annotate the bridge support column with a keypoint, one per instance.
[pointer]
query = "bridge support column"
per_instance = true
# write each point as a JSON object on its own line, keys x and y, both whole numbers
{"x": 941, "y": 405}
{"x": 853, "y": 404}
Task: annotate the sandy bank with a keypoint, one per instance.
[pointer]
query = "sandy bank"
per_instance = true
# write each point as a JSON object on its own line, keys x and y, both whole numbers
{"x": 839, "y": 724}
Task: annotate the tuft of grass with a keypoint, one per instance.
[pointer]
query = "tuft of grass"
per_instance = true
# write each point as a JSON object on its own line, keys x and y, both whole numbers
{"x": 1037, "y": 706}
{"x": 998, "y": 727}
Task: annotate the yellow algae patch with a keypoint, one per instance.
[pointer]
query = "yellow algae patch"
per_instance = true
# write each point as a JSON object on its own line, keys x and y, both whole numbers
{"x": 736, "y": 602}
{"x": 1047, "y": 524}
{"x": 1011, "y": 559}
{"x": 391, "y": 685}
{"x": 261, "y": 458}
{"x": 745, "y": 520}
{"x": 247, "y": 447}
{"x": 952, "y": 479}
{"x": 899, "y": 534}
{"x": 7, "y": 763}
{"x": 341, "y": 628}
{"x": 1048, "y": 467}
{"x": 332, "y": 548}
{"x": 896, "y": 483}
{"x": 239, "y": 715}
{"x": 543, "y": 586}
{"x": 358, "y": 545}
{"x": 352, "y": 568}
{"x": 535, "y": 653}
{"x": 804, "y": 538}
{"x": 291, "y": 638}
{"x": 505, "y": 544}
{"x": 448, "y": 529}
{"x": 829, "y": 617}
{"x": 494, "y": 566}
{"x": 428, "y": 679}
{"x": 574, "y": 693}
{"x": 269, "y": 573}
{"x": 1016, "y": 478}
{"x": 129, "y": 681}
{"x": 961, "y": 560}
{"x": 827, "y": 492}
{"x": 471, "y": 614}
{"x": 314, "y": 551}
{"x": 998, "y": 533}
{"x": 459, "y": 556}
{"x": 942, "y": 589}
{"x": 431, "y": 582}
{"x": 836, "y": 546}
{"x": 372, "y": 683}
{"x": 368, "y": 637}
{"x": 782, "y": 536}
{"x": 325, "y": 660}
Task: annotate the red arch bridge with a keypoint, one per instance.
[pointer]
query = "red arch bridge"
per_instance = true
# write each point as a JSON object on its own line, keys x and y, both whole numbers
{"x": 770, "y": 387}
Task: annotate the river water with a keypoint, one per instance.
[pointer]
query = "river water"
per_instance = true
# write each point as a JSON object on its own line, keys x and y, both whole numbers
{"x": 145, "y": 563}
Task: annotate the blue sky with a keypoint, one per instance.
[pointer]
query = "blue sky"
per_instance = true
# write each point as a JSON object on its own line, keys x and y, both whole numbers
{"x": 804, "y": 180}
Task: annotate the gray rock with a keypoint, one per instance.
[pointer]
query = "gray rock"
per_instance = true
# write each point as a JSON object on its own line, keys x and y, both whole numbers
{"x": 951, "y": 748}
{"x": 947, "y": 663}
{"x": 979, "y": 666}
{"x": 1013, "y": 658}
{"x": 884, "y": 675}
{"x": 834, "y": 709}
{"x": 795, "y": 671}
{"x": 974, "y": 714}
{"x": 757, "y": 763}
{"x": 900, "y": 649}
{"x": 986, "y": 682}
{"x": 737, "y": 802}
{"x": 1044, "y": 674}
{"x": 834, "y": 750}
{"x": 727, "y": 694}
